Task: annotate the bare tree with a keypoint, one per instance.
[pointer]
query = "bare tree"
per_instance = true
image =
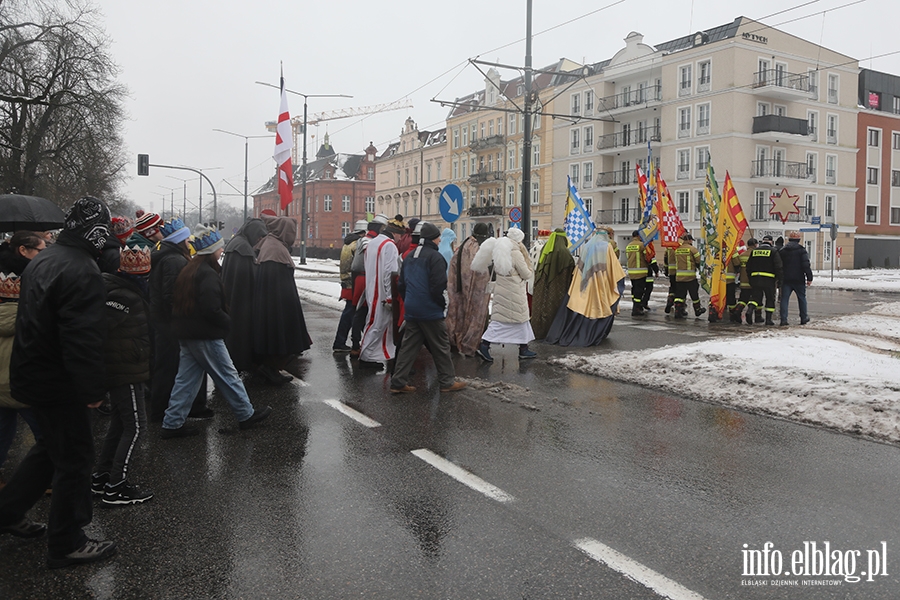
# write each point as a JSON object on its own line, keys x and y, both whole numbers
{"x": 61, "y": 107}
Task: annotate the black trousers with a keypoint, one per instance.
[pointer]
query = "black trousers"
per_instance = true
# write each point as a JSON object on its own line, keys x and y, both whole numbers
{"x": 683, "y": 288}
{"x": 62, "y": 458}
{"x": 638, "y": 285}
{"x": 730, "y": 297}
{"x": 126, "y": 423}
{"x": 162, "y": 376}
{"x": 763, "y": 286}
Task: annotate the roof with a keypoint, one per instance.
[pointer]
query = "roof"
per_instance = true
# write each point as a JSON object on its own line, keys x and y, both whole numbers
{"x": 342, "y": 167}
{"x": 715, "y": 34}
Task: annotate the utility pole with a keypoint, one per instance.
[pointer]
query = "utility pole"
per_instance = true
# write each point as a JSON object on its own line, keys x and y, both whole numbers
{"x": 526, "y": 143}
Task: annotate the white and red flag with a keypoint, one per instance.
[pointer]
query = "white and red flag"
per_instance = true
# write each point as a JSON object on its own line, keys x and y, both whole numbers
{"x": 284, "y": 142}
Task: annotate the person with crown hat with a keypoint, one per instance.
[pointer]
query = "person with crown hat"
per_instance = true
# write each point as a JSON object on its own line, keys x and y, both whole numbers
{"x": 58, "y": 368}
{"x": 15, "y": 254}
{"x": 239, "y": 270}
{"x": 127, "y": 371}
{"x": 279, "y": 328}
{"x": 201, "y": 322}
{"x": 167, "y": 262}
{"x": 345, "y": 324}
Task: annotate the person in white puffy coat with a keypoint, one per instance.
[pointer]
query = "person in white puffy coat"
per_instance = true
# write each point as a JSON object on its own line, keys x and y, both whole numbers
{"x": 513, "y": 272}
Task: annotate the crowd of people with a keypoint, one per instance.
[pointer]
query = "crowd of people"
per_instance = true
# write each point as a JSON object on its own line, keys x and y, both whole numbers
{"x": 136, "y": 315}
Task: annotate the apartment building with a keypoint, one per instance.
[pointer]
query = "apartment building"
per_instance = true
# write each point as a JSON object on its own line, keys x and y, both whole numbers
{"x": 775, "y": 111}
{"x": 411, "y": 173}
{"x": 485, "y": 132}
{"x": 340, "y": 189}
{"x": 878, "y": 172}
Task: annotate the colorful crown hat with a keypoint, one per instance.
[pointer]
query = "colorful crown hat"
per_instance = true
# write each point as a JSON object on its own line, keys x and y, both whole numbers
{"x": 175, "y": 231}
{"x": 135, "y": 260}
{"x": 9, "y": 286}
{"x": 206, "y": 241}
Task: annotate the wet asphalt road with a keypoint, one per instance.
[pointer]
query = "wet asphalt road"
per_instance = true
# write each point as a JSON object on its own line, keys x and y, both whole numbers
{"x": 315, "y": 504}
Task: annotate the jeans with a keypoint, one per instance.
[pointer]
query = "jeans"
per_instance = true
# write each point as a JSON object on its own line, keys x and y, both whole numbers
{"x": 343, "y": 330}
{"x": 800, "y": 290}
{"x": 197, "y": 358}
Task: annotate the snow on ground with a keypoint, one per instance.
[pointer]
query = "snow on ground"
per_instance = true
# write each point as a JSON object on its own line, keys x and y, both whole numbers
{"x": 841, "y": 373}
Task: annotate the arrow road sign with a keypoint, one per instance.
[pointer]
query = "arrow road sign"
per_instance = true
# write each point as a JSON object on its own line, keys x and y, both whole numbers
{"x": 451, "y": 202}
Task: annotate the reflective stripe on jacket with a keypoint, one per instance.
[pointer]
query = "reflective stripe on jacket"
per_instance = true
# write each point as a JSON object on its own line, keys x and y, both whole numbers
{"x": 637, "y": 263}
{"x": 687, "y": 259}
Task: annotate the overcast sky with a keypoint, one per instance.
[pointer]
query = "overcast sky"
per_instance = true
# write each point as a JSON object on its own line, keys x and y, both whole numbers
{"x": 191, "y": 65}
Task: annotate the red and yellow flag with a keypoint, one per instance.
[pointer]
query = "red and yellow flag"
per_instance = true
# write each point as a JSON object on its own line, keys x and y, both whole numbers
{"x": 672, "y": 228}
{"x": 730, "y": 229}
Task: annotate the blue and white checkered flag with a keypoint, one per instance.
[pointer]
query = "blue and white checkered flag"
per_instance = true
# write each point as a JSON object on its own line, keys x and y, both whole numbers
{"x": 579, "y": 224}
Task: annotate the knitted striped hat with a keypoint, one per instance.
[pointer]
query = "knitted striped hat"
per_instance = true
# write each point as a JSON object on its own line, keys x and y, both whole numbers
{"x": 146, "y": 222}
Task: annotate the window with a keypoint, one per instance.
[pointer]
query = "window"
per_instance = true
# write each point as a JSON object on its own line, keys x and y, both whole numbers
{"x": 761, "y": 206}
{"x": 398, "y": 178}
{"x": 780, "y": 110}
{"x": 895, "y": 215}
{"x": 830, "y": 201}
{"x": 465, "y": 136}
{"x": 762, "y": 109}
{"x": 588, "y": 205}
{"x": 535, "y": 192}
{"x": 831, "y": 169}
{"x": 684, "y": 205}
{"x": 702, "y": 161}
{"x": 831, "y": 132}
{"x": 439, "y": 174}
{"x": 895, "y": 141}
{"x": 684, "y": 164}
{"x": 511, "y": 129}
{"x": 536, "y": 152}
{"x": 764, "y": 74}
{"x": 625, "y": 209}
{"x": 406, "y": 174}
{"x": 574, "y": 171}
{"x": 481, "y": 127}
{"x": 703, "y": 76}
{"x": 455, "y": 138}
{"x": 575, "y": 136}
{"x": 826, "y": 251}
{"x": 587, "y": 173}
{"x": 588, "y": 102}
{"x": 811, "y": 160}
{"x": 812, "y": 118}
{"x": 415, "y": 174}
{"x": 370, "y": 204}
{"x": 511, "y": 158}
{"x": 472, "y": 165}
{"x": 465, "y": 169}
{"x": 588, "y": 138}
{"x": 699, "y": 203}
{"x": 684, "y": 86}
{"x": 895, "y": 178}
{"x": 491, "y": 128}
{"x": 511, "y": 194}
{"x": 871, "y": 214}
{"x": 345, "y": 203}
{"x": 428, "y": 173}
{"x": 832, "y": 89}
{"x": 810, "y": 205}
{"x": 874, "y": 137}
{"x": 371, "y": 173}
{"x": 896, "y": 112}
{"x": 327, "y": 203}
{"x": 626, "y": 134}
{"x": 684, "y": 122}
{"x": 872, "y": 175}
{"x": 345, "y": 229}
{"x": 576, "y": 104}
{"x": 499, "y": 125}
{"x": 454, "y": 169}
{"x": 428, "y": 206}
{"x": 703, "y": 119}
{"x": 627, "y": 99}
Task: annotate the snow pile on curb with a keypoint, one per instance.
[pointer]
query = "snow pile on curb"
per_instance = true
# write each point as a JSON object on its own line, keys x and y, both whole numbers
{"x": 843, "y": 381}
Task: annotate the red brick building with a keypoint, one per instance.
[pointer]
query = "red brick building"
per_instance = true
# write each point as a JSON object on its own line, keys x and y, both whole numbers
{"x": 340, "y": 190}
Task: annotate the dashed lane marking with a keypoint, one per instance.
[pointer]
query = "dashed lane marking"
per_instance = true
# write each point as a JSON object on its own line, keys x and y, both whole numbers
{"x": 463, "y": 476}
{"x": 353, "y": 414}
{"x": 632, "y": 569}
{"x": 652, "y": 327}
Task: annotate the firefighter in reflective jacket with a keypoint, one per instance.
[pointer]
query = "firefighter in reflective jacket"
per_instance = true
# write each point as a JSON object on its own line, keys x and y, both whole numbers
{"x": 638, "y": 269}
{"x": 669, "y": 269}
{"x": 742, "y": 282}
{"x": 687, "y": 259}
{"x": 764, "y": 269}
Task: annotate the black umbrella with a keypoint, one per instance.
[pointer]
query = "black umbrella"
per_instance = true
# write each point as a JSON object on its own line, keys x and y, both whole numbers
{"x": 29, "y": 212}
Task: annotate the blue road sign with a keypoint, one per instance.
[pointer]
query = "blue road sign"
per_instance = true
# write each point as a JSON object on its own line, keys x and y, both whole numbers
{"x": 816, "y": 221}
{"x": 451, "y": 203}
{"x": 515, "y": 214}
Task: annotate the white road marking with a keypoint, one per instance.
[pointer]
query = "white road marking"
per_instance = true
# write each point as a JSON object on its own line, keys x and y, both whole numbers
{"x": 652, "y": 327}
{"x": 634, "y": 570}
{"x": 353, "y": 414}
{"x": 463, "y": 476}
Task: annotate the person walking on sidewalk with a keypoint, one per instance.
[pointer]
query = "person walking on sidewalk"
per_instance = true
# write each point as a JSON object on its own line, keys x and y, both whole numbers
{"x": 58, "y": 369}
{"x": 423, "y": 280}
{"x": 797, "y": 276}
{"x": 200, "y": 319}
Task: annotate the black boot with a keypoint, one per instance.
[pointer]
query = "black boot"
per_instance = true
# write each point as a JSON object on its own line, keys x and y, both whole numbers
{"x": 680, "y": 312}
{"x": 669, "y": 302}
{"x": 769, "y": 320}
{"x": 736, "y": 315}
{"x": 698, "y": 310}
{"x": 636, "y": 310}
{"x": 749, "y": 317}
{"x": 758, "y": 318}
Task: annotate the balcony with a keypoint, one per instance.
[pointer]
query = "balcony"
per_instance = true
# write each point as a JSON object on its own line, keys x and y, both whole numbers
{"x": 618, "y": 216}
{"x": 626, "y": 139}
{"x": 776, "y": 83}
{"x": 760, "y": 212}
{"x": 632, "y": 99}
{"x": 488, "y": 142}
{"x": 613, "y": 178}
{"x": 773, "y": 168}
{"x": 485, "y": 176}
{"x": 777, "y": 126}
{"x": 485, "y": 211}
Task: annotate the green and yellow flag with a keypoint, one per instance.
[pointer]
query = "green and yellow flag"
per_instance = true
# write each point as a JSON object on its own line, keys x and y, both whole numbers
{"x": 730, "y": 228}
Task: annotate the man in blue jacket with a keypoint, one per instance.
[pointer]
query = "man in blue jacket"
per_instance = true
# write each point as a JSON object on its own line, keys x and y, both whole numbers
{"x": 797, "y": 276}
{"x": 423, "y": 280}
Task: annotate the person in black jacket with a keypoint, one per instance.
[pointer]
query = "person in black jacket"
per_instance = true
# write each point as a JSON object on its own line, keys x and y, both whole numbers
{"x": 422, "y": 283}
{"x": 797, "y": 276}
{"x": 764, "y": 269}
{"x": 127, "y": 370}
{"x": 57, "y": 368}
{"x": 201, "y": 322}
{"x": 167, "y": 262}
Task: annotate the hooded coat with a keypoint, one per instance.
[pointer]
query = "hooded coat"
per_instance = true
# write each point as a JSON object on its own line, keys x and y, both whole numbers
{"x": 239, "y": 277}
{"x": 279, "y": 328}
{"x": 513, "y": 271}
{"x": 467, "y": 309}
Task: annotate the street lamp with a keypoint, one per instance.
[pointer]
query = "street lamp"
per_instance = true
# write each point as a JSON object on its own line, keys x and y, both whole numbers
{"x": 303, "y": 215}
{"x": 246, "y": 155}
{"x": 184, "y": 199}
{"x": 172, "y": 200}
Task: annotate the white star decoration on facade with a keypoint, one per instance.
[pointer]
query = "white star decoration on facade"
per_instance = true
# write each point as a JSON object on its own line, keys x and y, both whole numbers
{"x": 784, "y": 205}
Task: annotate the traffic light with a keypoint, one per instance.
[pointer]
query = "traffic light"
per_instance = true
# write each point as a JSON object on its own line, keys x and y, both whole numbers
{"x": 221, "y": 226}
{"x": 143, "y": 164}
